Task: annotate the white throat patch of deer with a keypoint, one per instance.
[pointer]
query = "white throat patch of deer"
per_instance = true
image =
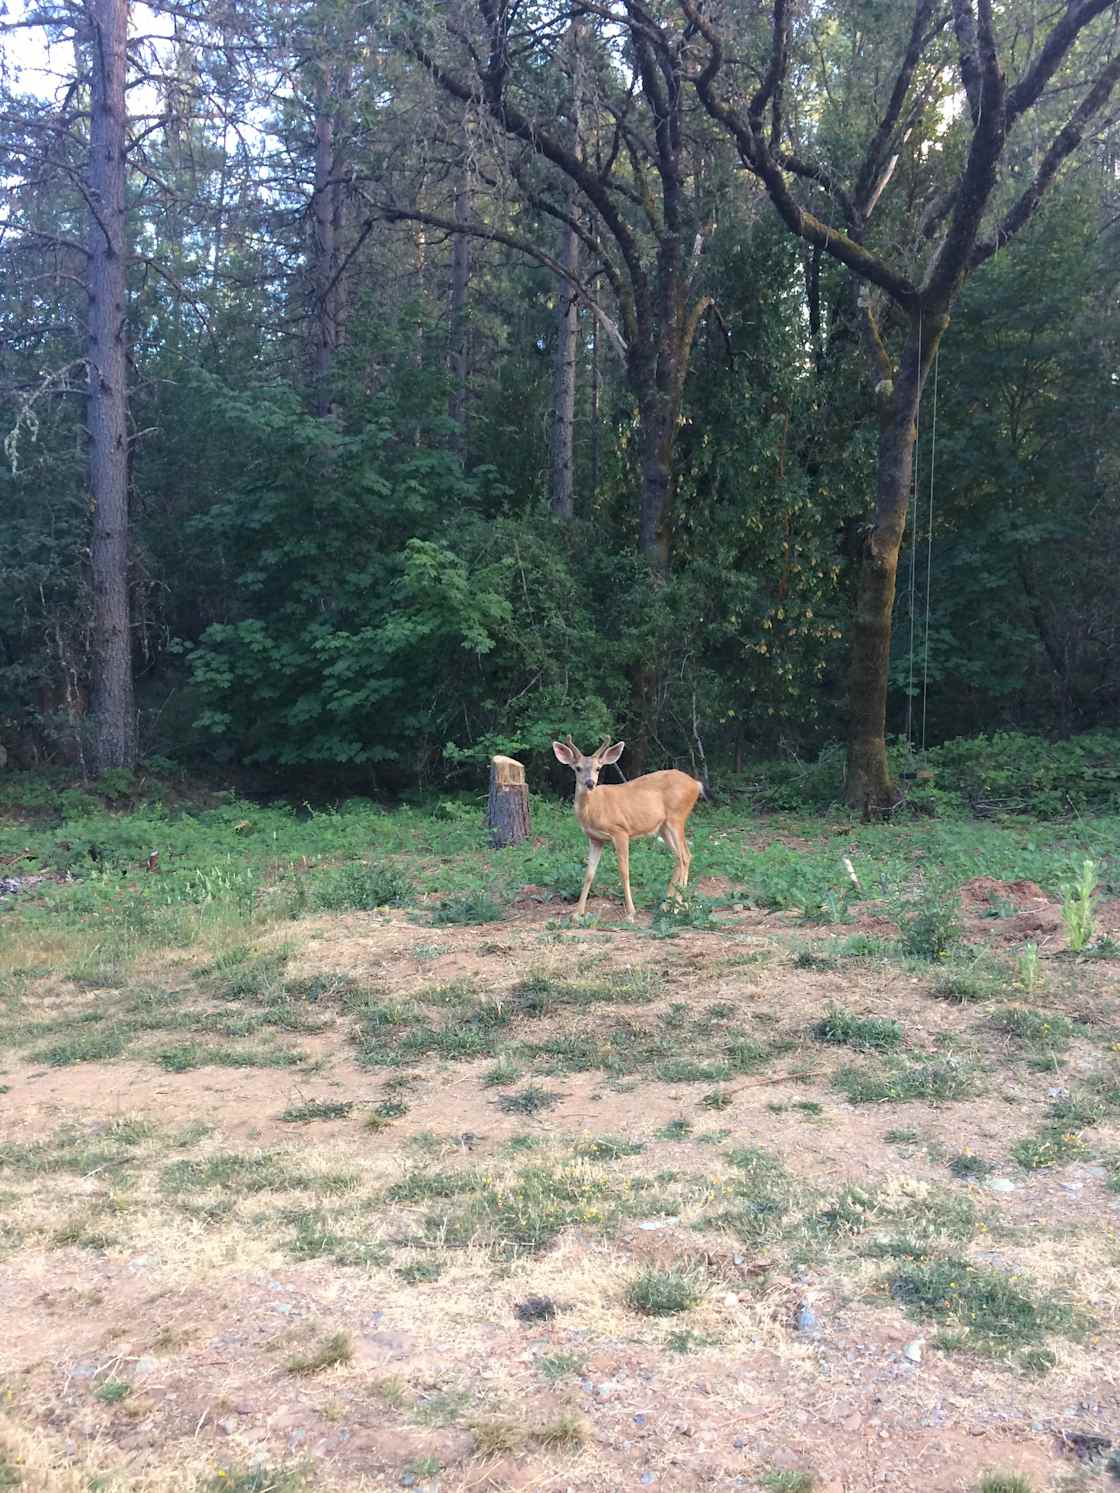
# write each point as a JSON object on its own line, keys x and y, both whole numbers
{"x": 657, "y": 804}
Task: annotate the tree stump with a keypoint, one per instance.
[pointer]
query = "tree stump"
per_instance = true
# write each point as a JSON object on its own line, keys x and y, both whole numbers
{"x": 507, "y": 813}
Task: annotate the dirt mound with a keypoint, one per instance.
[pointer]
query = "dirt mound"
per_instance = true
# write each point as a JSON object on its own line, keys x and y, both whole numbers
{"x": 986, "y": 892}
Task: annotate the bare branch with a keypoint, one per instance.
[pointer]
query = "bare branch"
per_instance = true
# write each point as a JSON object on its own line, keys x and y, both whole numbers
{"x": 871, "y": 180}
{"x": 1062, "y": 146}
{"x": 392, "y": 214}
{"x": 1054, "y": 51}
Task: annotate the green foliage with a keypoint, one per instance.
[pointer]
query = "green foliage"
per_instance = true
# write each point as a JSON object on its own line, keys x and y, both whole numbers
{"x": 350, "y": 622}
{"x": 929, "y": 921}
{"x": 362, "y": 887}
{"x": 475, "y": 906}
{"x": 1078, "y": 904}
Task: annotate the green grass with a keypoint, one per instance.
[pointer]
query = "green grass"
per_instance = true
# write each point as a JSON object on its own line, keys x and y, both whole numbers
{"x": 333, "y": 1351}
{"x": 362, "y": 887}
{"x": 319, "y": 1235}
{"x": 1005, "y": 1482}
{"x": 663, "y": 1293}
{"x": 1042, "y": 1037}
{"x": 556, "y": 1367}
{"x": 531, "y": 1100}
{"x": 83, "y": 1047}
{"x": 505, "y": 1071}
{"x": 468, "y": 908}
{"x": 982, "y": 1310}
{"x": 973, "y": 983}
{"x": 787, "y": 1480}
{"x": 113, "y": 1391}
{"x": 541, "y": 993}
{"x": 1050, "y": 1147}
{"x": 758, "y": 1198}
{"x": 934, "y": 1081}
{"x": 316, "y": 1109}
{"x": 970, "y": 1167}
{"x": 231, "y": 1171}
{"x": 259, "y": 1480}
{"x": 186, "y": 1056}
{"x": 866, "y": 1033}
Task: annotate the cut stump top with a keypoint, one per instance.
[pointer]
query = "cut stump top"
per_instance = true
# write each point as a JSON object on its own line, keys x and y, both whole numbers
{"x": 507, "y": 772}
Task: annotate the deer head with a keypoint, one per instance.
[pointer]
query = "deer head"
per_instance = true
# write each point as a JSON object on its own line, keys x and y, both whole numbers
{"x": 587, "y": 769}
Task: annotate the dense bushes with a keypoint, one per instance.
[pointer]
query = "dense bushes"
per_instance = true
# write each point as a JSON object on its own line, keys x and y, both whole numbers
{"x": 1008, "y": 772}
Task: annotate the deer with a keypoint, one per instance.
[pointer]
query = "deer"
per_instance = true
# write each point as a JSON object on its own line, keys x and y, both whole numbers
{"x": 658, "y": 803}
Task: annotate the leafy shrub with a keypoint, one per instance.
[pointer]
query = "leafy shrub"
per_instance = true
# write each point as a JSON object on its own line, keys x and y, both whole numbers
{"x": 929, "y": 922}
{"x": 1012, "y": 771}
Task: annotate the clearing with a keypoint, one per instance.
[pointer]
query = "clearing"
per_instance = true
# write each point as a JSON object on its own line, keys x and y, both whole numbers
{"x": 335, "y": 1157}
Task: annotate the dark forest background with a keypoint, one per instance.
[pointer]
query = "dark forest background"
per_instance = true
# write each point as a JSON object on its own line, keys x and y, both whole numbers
{"x": 474, "y": 389}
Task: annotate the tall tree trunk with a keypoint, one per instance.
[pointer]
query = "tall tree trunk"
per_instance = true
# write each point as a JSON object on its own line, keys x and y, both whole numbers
{"x": 113, "y": 714}
{"x": 325, "y": 253}
{"x": 870, "y": 786}
{"x": 657, "y": 482}
{"x": 564, "y": 382}
{"x": 567, "y": 320}
{"x": 458, "y": 344}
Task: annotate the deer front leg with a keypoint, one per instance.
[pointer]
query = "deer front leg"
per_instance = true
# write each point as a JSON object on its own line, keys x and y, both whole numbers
{"x": 622, "y": 850}
{"x": 594, "y": 851}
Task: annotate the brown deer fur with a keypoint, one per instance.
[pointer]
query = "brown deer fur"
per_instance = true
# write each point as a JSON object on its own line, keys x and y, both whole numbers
{"x": 657, "y": 804}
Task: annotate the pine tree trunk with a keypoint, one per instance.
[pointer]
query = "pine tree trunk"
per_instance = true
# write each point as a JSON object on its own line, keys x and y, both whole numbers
{"x": 113, "y": 713}
{"x": 564, "y": 383}
{"x": 458, "y": 350}
{"x": 507, "y": 815}
{"x": 325, "y": 256}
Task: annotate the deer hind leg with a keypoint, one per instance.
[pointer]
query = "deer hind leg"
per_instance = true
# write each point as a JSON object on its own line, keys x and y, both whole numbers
{"x": 594, "y": 851}
{"x": 622, "y": 850}
{"x": 677, "y": 843}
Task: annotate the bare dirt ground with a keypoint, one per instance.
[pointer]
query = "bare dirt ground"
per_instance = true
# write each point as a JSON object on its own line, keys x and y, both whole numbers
{"x": 153, "y": 1310}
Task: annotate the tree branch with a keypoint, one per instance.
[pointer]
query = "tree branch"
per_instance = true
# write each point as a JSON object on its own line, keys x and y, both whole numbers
{"x": 1062, "y": 146}
{"x": 1026, "y": 92}
{"x": 871, "y": 179}
{"x": 516, "y": 124}
{"x": 391, "y": 214}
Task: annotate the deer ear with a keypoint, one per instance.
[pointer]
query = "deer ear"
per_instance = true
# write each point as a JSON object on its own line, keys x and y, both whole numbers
{"x": 611, "y": 753}
{"x": 564, "y": 754}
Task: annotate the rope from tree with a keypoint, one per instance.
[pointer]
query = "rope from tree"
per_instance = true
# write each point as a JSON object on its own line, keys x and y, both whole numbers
{"x": 913, "y": 567}
{"x": 929, "y": 538}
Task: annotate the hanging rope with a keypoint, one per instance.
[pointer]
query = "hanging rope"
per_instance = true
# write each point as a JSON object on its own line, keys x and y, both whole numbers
{"x": 913, "y": 565}
{"x": 929, "y": 539}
